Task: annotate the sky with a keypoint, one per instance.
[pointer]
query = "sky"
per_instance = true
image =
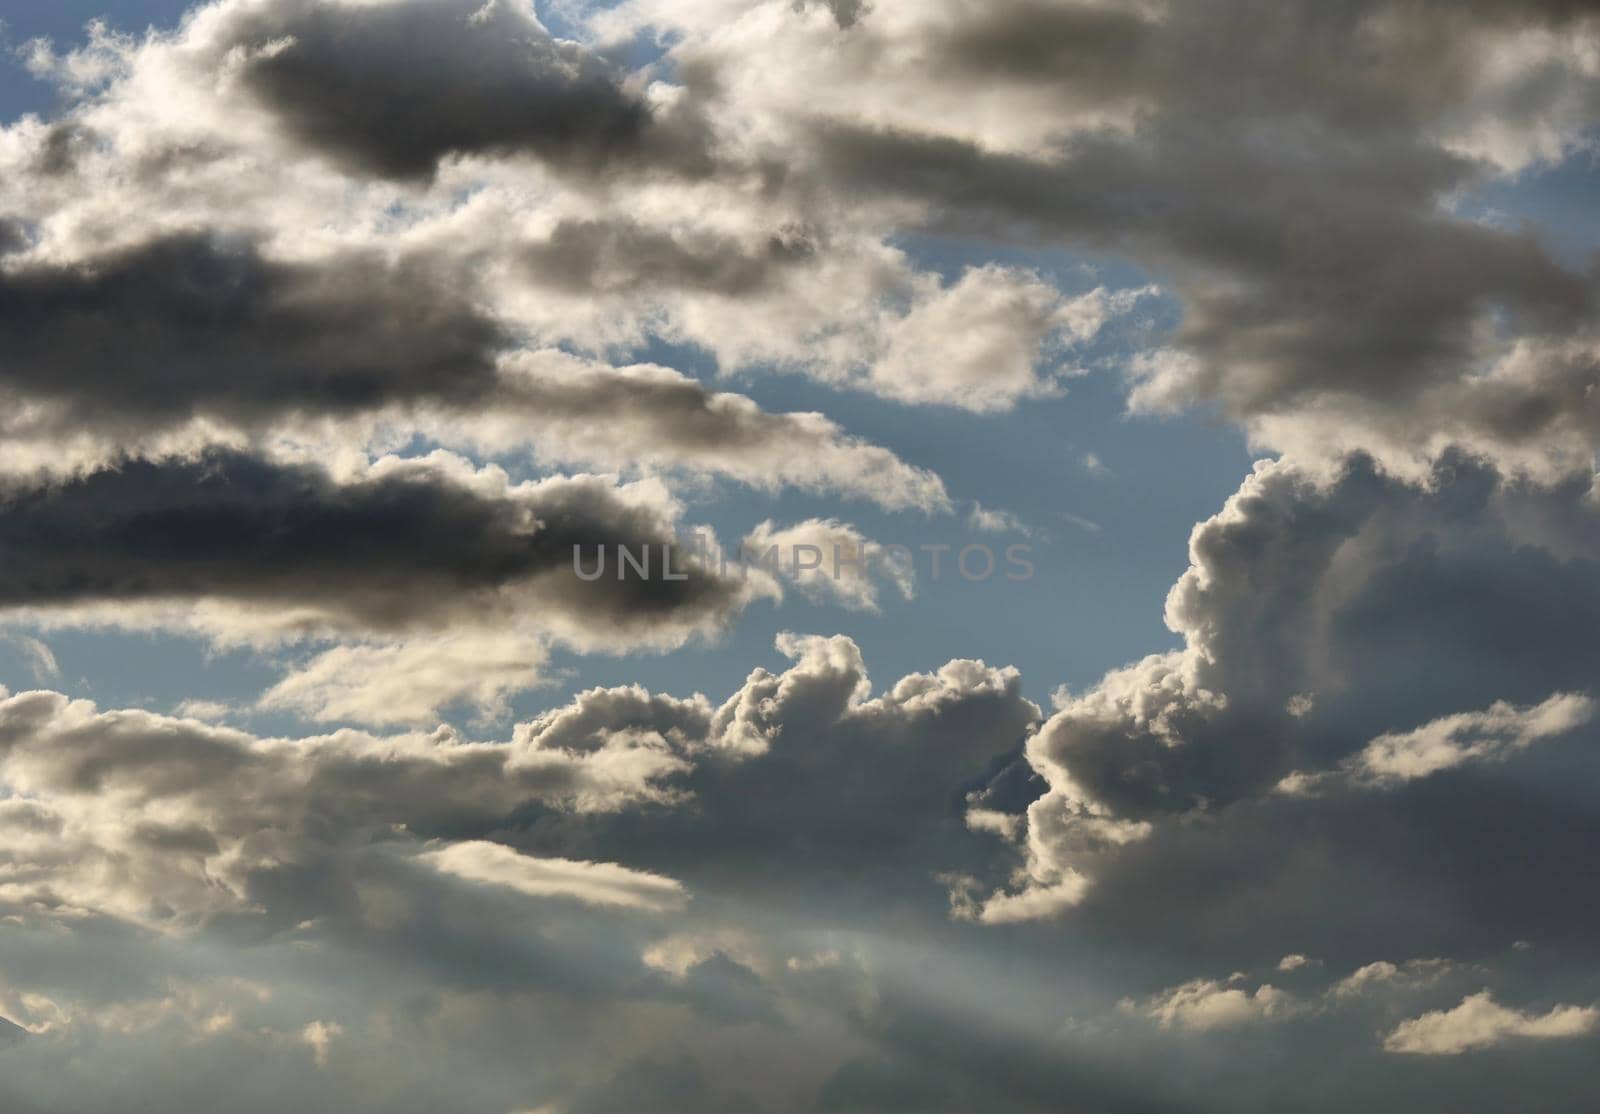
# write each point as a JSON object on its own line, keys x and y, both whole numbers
{"x": 1253, "y": 343}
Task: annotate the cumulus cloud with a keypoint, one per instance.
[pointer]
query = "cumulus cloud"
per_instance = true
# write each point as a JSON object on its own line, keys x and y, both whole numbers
{"x": 197, "y": 815}
{"x": 978, "y": 344}
{"x": 1311, "y": 583}
{"x": 831, "y": 560}
{"x": 493, "y": 872}
{"x": 1481, "y": 1022}
{"x": 1206, "y": 1004}
{"x": 1383, "y": 974}
{"x": 202, "y": 815}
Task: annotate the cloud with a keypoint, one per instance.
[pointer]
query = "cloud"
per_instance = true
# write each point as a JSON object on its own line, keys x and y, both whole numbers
{"x": 1204, "y": 1005}
{"x": 409, "y": 682}
{"x": 401, "y": 545}
{"x": 466, "y": 78}
{"x": 1322, "y": 272}
{"x": 644, "y": 416}
{"x": 1366, "y": 979}
{"x": 978, "y": 344}
{"x": 199, "y": 815}
{"x": 209, "y": 821}
{"x": 121, "y": 348}
{"x": 39, "y": 658}
{"x": 320, "y": 1035}
{"x": 1481, "y": 1022}
{"x": 831, "y": 560}
{"x": 245, "y": 256}
{"x": 1329, "y": 585}
{"x": 605, "y": 884}
{"x": 137, "y": 335}
{"x": 1487, "y": 736}
{"x": 10, "y": 1032}
{"x": 1472, "y": 736}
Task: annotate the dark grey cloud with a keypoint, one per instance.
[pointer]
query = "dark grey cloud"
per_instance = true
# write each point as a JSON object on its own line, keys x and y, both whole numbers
{"x": 1301, "y": 279}
{"x": 1286, "y": 169}
{"x": 194, "y": 324}
{"x": 412, "y": 546}
{"x": 611, "y": 257}
{"x": 1383, "y": 604}
{"x": 1321, "y": 613}
{"x": 390, "y": 89}
{"x": 810, "y": 788}
{"x": 137, "y": 342}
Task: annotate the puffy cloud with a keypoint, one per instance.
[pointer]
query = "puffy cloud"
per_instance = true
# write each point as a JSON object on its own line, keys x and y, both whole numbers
{"x": 1383, "y": 974}
{"x": 1206, "y": 1004}
{"x": 164, "y": 821}
{"x": 829, "y": 559}
{"x": 1332, "y": 298}
{"x": 1481, "y": 1022}
{"x": 381, "y": 885}
{"x": 320, "y": 1035}
{"x": 978, "y": 343}
{"x": 168, "y": 822}
{"x": 1327, "y": 586}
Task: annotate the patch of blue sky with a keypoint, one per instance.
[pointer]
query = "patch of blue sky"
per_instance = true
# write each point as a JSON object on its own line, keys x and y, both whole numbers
{"x": 1555, "y": 201}
{"x": 63, "y": 22}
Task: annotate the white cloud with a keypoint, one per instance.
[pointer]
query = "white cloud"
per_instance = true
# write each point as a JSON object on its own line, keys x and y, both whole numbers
{"x": 1487, "y": 736}
{"x": 1481, "y": 1022}
{"x": 979, "y": 344}
{"x": 604, "y": 884}
{"x": 410, "y": 682}
{"x": 41, "y": 661}
{"x": 1365, "y": 980}
{"x": 1207, "y": 1004}
{"x": 831, "y": 560}
{"x": 320, "y": 1035}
